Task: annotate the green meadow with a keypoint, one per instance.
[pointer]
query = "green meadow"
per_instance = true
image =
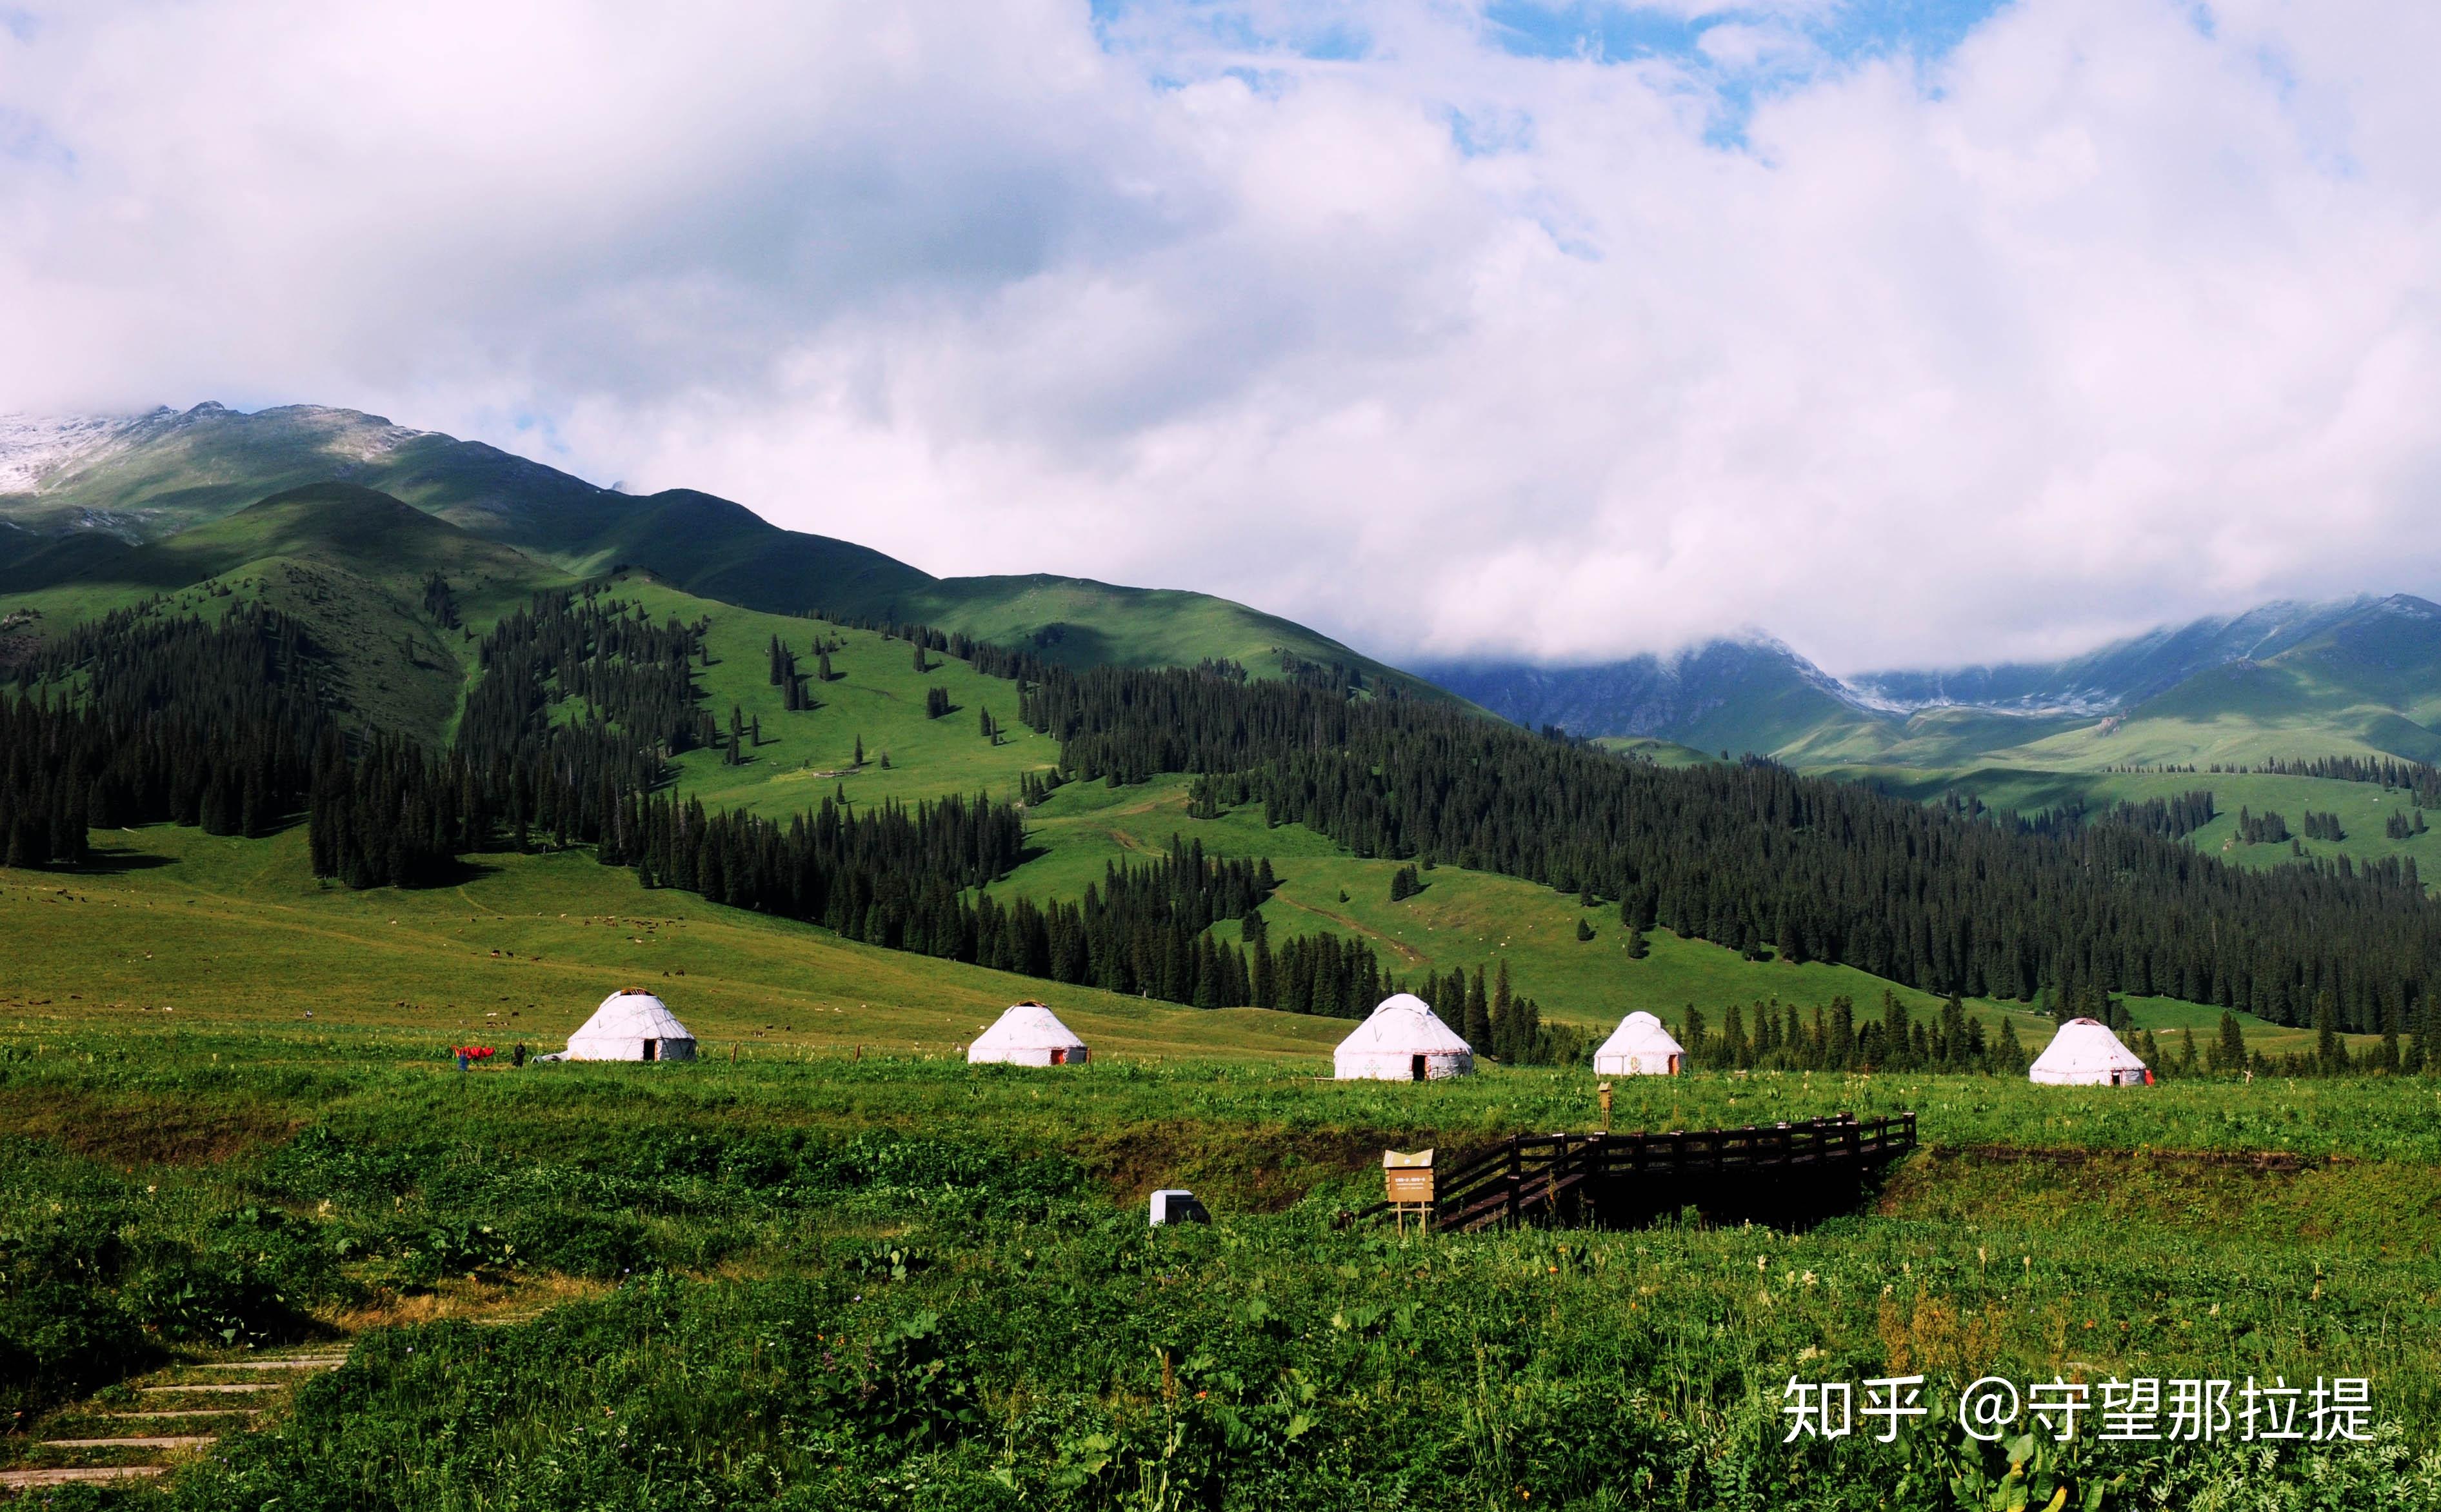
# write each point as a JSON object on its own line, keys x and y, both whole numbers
{"x": 175, "y": 928}
{"x": 817, "y": 1281}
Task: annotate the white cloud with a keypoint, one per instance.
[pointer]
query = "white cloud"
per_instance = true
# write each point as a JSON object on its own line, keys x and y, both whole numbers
{"x": 2107, "y": 318}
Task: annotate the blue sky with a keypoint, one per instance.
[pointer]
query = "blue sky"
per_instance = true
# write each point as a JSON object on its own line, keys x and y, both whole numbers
{"x": 1842, "y": 31}
{"x": 1810, "y": 37}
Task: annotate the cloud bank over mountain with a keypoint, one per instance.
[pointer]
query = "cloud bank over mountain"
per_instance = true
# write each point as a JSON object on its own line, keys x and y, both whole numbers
{"x": 1454, "y": 330}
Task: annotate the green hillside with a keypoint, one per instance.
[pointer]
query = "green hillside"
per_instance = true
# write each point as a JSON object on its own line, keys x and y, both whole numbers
{"x": 2362, "y": 808}
{"x": 1660, "y": 753}
{"x": 354, "y": 562}
{"x": 877, "y": 699}
{"x": 171, "y": 928}
{"x": 348, "y": 562}
{"x": 1462, "y": 919}
{"x": 175, "y": 929}
{"x": 169, "y": 474}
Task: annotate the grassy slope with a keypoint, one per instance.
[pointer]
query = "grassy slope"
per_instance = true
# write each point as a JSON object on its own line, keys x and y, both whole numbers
{"x": 878, "y": 695}
{"x": 1660, "y": 753}
{"x": 349, "y": 563}
{"x": 1466, "y": 919}
{"x": 179, "y": 929}
{"x": 1462, "y": 919}
{"x": 1078, "y": 623}
{"x": 353, "y": 563}
{"x": 2361, "y": 806}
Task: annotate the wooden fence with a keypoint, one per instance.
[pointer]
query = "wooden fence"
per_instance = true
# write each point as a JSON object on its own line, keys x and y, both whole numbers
{"x": 1598, "y": 1176}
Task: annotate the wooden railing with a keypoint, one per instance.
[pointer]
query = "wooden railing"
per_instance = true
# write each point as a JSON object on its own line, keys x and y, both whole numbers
{"x": 1529, "y": 1173}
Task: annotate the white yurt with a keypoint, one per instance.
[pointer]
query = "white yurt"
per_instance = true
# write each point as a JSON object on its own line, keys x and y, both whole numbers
{"x": 1404, "y": 1041}
{"x": 631, "y": 1024}
{"x": 2085, "y": 1053}
{"x": 1640, "y": 1047}
{"x": 1028, "y": 1034}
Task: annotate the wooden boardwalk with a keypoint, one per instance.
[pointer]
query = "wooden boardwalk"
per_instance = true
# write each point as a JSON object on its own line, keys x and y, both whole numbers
{"x": 1783, "y": 1170}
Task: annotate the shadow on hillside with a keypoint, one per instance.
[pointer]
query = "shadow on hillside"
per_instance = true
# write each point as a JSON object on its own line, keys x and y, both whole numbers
{"x": 459, "y": 871}
{"x": 111, "y": 861}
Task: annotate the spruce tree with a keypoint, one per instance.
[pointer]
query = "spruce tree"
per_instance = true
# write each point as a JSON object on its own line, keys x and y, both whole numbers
{"x": 1497, "y": 1014}
{"x": 1476, "y": 1029}
{"x": 2010, "y": 1055}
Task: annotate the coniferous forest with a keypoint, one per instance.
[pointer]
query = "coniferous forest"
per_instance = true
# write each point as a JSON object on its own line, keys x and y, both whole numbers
{"x": 1753, "y": 853}
{"x": 134, "y": 718}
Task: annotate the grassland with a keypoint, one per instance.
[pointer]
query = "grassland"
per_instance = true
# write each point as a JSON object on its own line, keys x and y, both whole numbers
{"x": 903, "y": 1283}
{"x": 877, "y": 699}
{"x": 177, "y": 928}
{"x": 843, "y": 1268}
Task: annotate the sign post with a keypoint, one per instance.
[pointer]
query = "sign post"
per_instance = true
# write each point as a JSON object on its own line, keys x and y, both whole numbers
{"x": 1408, "y": 1179}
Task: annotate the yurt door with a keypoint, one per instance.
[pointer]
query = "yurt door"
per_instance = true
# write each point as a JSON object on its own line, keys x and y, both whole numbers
{"x": 1414, "y": 1068}
{"x": 1058, "y": 1056}
{"x": 651, "y": 1050}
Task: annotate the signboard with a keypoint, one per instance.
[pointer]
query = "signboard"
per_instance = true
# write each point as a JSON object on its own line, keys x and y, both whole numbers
{"x": 1408, "y": 1177}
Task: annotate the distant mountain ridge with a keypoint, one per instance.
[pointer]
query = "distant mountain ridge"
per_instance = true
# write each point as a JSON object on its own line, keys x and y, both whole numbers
{"x": 79, "y": 495}
{"x": 2112, "y": 676}
{"x": 1751, "y": 692}
{"x": 2360, "y": 674}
